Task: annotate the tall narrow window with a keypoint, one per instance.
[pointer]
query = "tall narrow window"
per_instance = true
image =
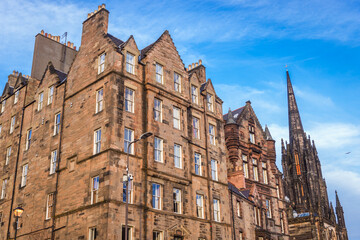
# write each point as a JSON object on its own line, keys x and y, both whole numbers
{"x": 28, "y": 139}
{"x": 12, "y": 124}
{"x": 277, "y": 188}
{"x": 196, "y": 129}
{"x": 92, "y": 233}
{"x": 212, "y": 134}
{"x": 177, "y": 82}
{"x": 255, "y": 170}
{"x": 40, "y": 101}
{"x": 245, "y": 166}
{"x": 130, "y": 192}
{"x": 252, "y": 134}
{"x": 16, "y": 96}
{"x": 176, "y": 117}
{"x": 129, "y": 100}
{"x": 268, "y": 208}
{"x": 94, "y": 189}
{"x": 49, "y": 205}
{"x": 158, "y": 149}
{"x": 53, "y": 160}
{"x": 128, "y": 138}
{"x": 157, "y": 235}
{"x": 216, "y": 203}
{"x": 130, "y": 63}
{"x": 210, "y": 103}
{"x": 194, "y": 94}
{"x": 214, "y": 171}
{"x": 177, "y": 200}
{"x": 297, "y": 164}
{"x": 99, "y": 100}
{"x": 238, "y": 208}
{"x": 3, "y": 106}
{"x": 3, "y": 188}
{"x": 97, "y": 141}
{"x": 156, "y": 196}
{"x": 8, "y": 154}
{"x": 57, "y": 123}
{"x": 101, "y": 63}
{"x": 24, "y": 175}
{"x": 177, "y": 156}
{"x": 129, "y": 233}
{"x": 157, "y": 110}
{"x": 200, "y": 206}
{"x": 265, "y": 173}
{"x": 241, "y": 236}
{"x": 159, "y": 73}
{"x": 50, "y": 95}
{"x": 0, "y": 129}
{"x": 197, "y": 160}
{"x": 282, "y": 223}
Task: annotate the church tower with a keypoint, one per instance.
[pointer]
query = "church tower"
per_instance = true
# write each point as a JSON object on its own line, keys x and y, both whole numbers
{"x": 303, "y": 181}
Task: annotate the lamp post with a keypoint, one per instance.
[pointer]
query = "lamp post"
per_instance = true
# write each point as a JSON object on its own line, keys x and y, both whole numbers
{"x": 126, "y": 178}
{"x": 17, "y": 213}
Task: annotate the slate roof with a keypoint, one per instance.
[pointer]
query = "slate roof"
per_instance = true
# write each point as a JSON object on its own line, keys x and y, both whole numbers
{"x": 62, "y": 76}
{"x": 237, "y": 191}
{"x": 235, "y": 113}
{"x": 115, "y": 40}
{"x": 144, "y": 51}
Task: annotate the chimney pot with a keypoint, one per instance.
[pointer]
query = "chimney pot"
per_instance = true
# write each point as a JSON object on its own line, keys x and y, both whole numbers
{"x": 196, "y": 64}
{"x": 14, "y": 72}
{"x": 103, "y": 5}
{"x": 50, "y": 35}
{"x": 72, "y": 45}
{"x": 193, "y": 65}
{"x": 200, "y": 61}
{"x": 68, "y": 43}
{"x": 189, "y": 67}
{"x": 42, "y": 32}
{"x": 46, "y": 34}
{"x": 89, "y": 14}
{"x": 99, "y": 7}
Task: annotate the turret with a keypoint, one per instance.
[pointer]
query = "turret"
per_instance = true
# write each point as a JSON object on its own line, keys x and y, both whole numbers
{"x": 232, "y": 139}
{"x": 339, "y": 212}
{"x": 270, "y": 144}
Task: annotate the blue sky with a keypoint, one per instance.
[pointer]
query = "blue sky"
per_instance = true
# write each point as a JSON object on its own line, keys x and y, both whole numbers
{"x": 245, "y": 45}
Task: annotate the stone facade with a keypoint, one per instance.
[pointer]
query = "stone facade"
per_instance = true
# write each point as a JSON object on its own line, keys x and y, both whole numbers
{"x": 310, "y": 214}
{"x": 75, "y": 156}
{"x": 253, "y": 174}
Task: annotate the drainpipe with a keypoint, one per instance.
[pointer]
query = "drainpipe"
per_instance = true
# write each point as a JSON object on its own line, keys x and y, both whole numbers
{"x": 17, "y": 161}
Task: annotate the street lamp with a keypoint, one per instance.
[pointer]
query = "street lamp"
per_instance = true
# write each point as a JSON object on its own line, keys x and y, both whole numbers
{"x": 127, "y": 178}
{"x": 17, "y": 213}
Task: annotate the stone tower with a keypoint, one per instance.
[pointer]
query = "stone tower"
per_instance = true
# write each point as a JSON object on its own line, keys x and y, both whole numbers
{"x": 303, "y": 181}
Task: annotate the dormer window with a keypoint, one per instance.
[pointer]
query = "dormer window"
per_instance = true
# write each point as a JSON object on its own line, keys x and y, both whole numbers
{"x": 41, "y": 100}
{"x": 101, "y": 63}
{"x": 252, "y": 133}
{"x": 159, "y": 73}
{"x": 130, "y": 63}
{"x": 210, "y": 102}
{"x": 16, "y": 97}
{"x": 194, "y": 94}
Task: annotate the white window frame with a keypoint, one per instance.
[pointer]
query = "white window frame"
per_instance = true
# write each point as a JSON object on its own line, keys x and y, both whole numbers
{"x": 159, "y": 235}
{"x": 177, "y": 82}
{"x": 97, "y": 141}
{"x": 92, "y": 233}
{"x": 200, "y": 206}
{"x": 99, "y": 100}
{"x": 28, "y": 139}
{"x": 216, "y": 208}
{"x": 12, "y": 124}
{"x": 8, "y": 155}
{"x": 194, "y": 94}
{"x": 50, "y": 95}
{"x": 177, "y": 156}
{"x": 158, "y": 149}
{"x": 252, "y": 134}
{"x": 127, "y": 140}
{"x": 3, "y": 188}
{"x": 214, "y": 170}
{"x": 131, "y": 190}
{"x": 210, "y": 102}
{"x": 24, "y": 174}
{"x": 130, "y": 232}
{"x": 129, "y": 100}
{"x": 255, "y": 169}
{"x": 197, "y": 157}
{"x": 265, "y": 173}
{"x": 196, "y": 127}
{"x": 53, "y": 162}
{"x": 159, "y": 69}
{"x": 245, "y": 166}
{"x": 3, "y": 104}
{"x": 238, "y": 208}
{"x": 268, "y": 208}
{"x": 101, "y": 63}
{"x": 40, "y": 101}
{"x": 177, "y": 200}
{"x": 212, "y": 134}
{"x": 57, "y": 123}
{"x": 176, "y": 117}
{"x": 16, "y": 96}
{"x": 95, "y": 185}
{"x": 130, "y": 63}
{"x": 157, "y": 110}
{"x": 49, "y": 205}
{"x": 156, "y": 196}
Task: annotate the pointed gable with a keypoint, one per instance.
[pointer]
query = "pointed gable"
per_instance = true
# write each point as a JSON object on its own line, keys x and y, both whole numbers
{"x": 50, "y": 70}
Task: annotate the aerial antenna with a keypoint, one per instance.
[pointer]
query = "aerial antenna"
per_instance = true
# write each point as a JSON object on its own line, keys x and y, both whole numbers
{"x": 64, "y": 36}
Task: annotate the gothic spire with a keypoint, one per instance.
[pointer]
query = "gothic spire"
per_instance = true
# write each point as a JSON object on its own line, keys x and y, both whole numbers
{"x": 295, "y": 126}
{"x": 338, "y": 204}
{"x": 267, "y": 133}
{"x": 230, "y": 118}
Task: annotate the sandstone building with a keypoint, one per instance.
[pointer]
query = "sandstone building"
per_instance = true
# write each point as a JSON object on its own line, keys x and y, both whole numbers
{"x": 65, "y": 131}
{"x": 253, "y": 174}
{"x": 310, "y": 216}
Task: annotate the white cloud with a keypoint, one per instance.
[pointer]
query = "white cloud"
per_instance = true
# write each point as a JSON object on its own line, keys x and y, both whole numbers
{"x": 314, "y": 97}
{"x": 342, "y": 179}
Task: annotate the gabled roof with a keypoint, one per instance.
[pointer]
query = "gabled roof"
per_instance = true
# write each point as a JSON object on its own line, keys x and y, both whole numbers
{"x": 50, "y": 67}
{"x": 115, "y": 40}
{"x": 20, "y": 81}
{"x": 237, "y": 191}
{"x": 235, "y": 113}
{"x": 7, "y": 90}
